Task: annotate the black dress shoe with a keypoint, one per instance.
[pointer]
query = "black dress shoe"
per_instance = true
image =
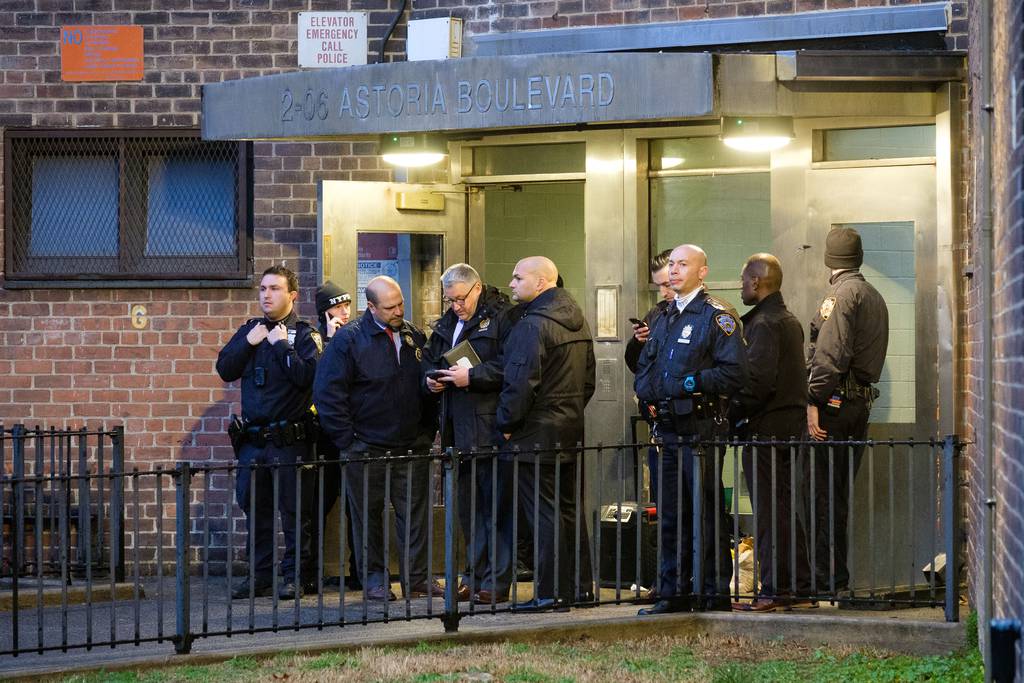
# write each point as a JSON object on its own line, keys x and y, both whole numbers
{"x": 263, "y": 588}
{"x": 586, "y": 598}
{"x": 666, "y": 606}
{"x": 542, "y": 605}
{"x": 288, "y": 591}
{"x": 718, "y": 603}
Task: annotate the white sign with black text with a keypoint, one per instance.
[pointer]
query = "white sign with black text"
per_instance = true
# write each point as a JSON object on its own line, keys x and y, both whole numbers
{"x": 332, "y": 39}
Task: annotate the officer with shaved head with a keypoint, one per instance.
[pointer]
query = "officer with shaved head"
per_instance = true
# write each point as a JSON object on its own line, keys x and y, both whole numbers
{"x": 771, "y": 406}
{"x": 693, "y": 358}
{"x": 548, "y": 380}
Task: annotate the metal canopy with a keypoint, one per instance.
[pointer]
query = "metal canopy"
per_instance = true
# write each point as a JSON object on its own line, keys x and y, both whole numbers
{"x": 869, "y": 21}
{"x": 905, "y": 67}
{"x": 460, "y": 94}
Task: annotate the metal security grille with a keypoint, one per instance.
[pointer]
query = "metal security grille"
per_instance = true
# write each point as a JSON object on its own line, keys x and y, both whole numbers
{"x": 153, "y": 205}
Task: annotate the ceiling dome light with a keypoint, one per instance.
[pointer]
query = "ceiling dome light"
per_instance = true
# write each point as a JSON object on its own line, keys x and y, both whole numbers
{"x": 757, "y": 133}
{"x": 412, "y": 149}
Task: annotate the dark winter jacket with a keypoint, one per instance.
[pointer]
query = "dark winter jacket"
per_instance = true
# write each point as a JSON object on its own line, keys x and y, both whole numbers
{"x": 549, "y": 375}
{"x": 467, "y": 414}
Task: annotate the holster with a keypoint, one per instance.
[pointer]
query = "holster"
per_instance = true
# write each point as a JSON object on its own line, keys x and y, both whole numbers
{"x": 236, "y": 433}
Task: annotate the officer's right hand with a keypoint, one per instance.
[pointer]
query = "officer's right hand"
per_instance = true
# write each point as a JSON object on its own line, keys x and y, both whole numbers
{"x": 641, "y": 333}
{"x": 257, "y": 334}
{"x": 435, "y": 386}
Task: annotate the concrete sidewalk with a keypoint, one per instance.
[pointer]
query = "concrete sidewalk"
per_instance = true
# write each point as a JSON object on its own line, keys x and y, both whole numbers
{"x": 918, "y": 631}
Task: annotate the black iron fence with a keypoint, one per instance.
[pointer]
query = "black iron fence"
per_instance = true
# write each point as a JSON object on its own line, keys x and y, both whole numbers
{"x": 703, "y": 524}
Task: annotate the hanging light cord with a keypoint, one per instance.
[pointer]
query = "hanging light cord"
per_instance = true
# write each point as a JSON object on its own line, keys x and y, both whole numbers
{"x": 391, "y": 29}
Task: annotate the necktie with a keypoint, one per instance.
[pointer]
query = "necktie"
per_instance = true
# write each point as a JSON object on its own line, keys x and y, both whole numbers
{"x": 391, "y": 336}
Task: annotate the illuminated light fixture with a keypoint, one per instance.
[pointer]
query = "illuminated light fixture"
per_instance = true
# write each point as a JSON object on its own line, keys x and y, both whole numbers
{"x": 412, "y": 149}
{"x": 671, "y": 162}
{"x": 757, "y": 133}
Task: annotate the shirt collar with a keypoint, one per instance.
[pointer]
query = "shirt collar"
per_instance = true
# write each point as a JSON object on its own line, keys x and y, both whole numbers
{"x": 683, "y": 301}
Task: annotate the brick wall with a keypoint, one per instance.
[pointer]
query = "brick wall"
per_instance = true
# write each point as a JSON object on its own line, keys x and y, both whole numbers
{"x": 1008, "y": 268}
{"x": 69, "y": 356}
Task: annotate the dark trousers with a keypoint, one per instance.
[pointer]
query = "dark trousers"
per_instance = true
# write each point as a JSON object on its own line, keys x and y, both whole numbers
{"x": 554, "y": 511}
{"x": 365, "y": 488}
{"x": 677, "y": 467}
{"x": 488, "y": 537}
{"x": 254, "y": 491}
{"x": 831, "y": 522}
{"x": 331, "y": 475}
{"x": 776, "y": 475}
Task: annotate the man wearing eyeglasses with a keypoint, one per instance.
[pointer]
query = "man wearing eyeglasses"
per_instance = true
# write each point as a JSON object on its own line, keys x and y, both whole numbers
{"x": 477, "y": 316}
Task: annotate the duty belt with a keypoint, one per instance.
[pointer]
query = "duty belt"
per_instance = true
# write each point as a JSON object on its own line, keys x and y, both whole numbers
{"x": 280, "y": 433}
{"x": 852, "y": 387}
{"x": 682, "y": 415}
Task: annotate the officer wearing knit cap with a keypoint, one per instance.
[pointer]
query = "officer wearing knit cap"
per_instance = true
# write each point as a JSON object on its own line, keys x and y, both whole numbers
{"x": 333, "y": 307}
{"x": 849, "y": 336}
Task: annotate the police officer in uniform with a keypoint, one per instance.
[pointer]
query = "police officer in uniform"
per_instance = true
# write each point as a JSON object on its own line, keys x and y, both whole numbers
{"x": 635, "y": 346}
{"x": 275, "y": 357}
{"x": 370, "y": 397}
{"x": 772, "y": 405}
{"x": 333, "y": 310}
{"x": 849, "y": 337}
{"x": 693, "y": 357}
{"x": 477, "y": 315}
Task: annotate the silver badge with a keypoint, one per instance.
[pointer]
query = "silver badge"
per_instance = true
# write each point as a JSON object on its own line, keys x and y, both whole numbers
{"x": 291, "y": 337}
{"x": 687, "y": 330}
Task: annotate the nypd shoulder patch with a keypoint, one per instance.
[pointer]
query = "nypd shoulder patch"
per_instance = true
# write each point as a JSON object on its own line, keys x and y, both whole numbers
{"x": 827, "y": 306}
{"x": 727, "y": 323}
{"x": 318, "y": 340}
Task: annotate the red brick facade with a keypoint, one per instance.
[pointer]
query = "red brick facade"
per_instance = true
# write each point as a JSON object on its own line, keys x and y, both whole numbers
{"x": 69, "y": 357}
{"x": 1008, "y": 323}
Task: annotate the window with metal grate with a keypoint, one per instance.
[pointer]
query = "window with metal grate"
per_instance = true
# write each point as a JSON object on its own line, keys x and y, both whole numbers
{"x": 125, "y": 205}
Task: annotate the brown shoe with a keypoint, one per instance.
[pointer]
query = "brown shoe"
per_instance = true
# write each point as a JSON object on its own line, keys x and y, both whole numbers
{"x": 380, "y": 593}
{"x": 484, "y": 597}
{"x": 463, "y": 593}
{"x": 759, "y": 605}
{"x": 421, "y": 590}
{"x": 800, "y": 603}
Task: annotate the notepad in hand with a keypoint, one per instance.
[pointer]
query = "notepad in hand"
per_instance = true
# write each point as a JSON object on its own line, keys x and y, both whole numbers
{"x": 463, "y": 356}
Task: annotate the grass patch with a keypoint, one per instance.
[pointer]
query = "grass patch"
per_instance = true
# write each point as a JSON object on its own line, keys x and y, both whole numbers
{"x": 583, "y": 660}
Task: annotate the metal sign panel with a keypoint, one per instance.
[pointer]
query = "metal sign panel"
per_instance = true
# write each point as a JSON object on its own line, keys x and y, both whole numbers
{"x": 332, "y": 39}
{"x": 460, "y": 94}
{"x": 101, "y": 53}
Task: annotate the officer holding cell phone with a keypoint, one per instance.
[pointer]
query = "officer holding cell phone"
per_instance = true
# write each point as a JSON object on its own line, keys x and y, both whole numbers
{"x": 333, "y": 310}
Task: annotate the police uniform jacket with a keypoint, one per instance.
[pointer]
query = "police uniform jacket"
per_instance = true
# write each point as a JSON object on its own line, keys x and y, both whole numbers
{"x": 363, "y": 393}
{"x": 775, "y": 361}
{"x": 849, "y": 334}
{"x": 633, "y": 347}
{"x": 704, "y": 340}
{"x": 471, "y": 410}
{"x": 288, "y": 368}
{"x": 549, "y": 375}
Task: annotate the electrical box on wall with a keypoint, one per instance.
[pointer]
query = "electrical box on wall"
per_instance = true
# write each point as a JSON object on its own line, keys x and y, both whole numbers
{"x": 439, "y": 38}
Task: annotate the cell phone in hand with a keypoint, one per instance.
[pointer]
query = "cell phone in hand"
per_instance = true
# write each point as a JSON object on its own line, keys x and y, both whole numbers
{"x": 436, "y": 375}
{"x": 638, "y": 321}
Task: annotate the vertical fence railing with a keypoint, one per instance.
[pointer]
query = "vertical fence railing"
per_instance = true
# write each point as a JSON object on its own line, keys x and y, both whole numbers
{"x": 609, "y": 542}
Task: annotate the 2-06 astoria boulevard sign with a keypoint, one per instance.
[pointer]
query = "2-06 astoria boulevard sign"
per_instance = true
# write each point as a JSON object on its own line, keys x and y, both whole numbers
{"x": 460, "y": 94}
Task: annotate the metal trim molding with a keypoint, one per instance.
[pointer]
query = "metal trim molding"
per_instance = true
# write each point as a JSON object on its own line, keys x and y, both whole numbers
{"x": 865, "y": 21}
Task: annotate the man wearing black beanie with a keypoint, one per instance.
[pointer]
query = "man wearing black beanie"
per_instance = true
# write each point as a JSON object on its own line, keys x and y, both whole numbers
{"x": 849, "y": 336}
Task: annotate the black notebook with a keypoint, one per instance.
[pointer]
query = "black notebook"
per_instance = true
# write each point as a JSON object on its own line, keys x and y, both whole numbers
{"x": 463, "y": 356}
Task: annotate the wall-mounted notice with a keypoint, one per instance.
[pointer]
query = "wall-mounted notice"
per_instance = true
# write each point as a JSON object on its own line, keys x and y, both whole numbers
{"x": 101, "y": 53}
{"x": 332, "y": 39}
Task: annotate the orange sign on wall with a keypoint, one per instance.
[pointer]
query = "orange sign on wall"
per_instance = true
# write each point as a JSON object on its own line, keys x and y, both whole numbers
{"x": 101, "y": 53}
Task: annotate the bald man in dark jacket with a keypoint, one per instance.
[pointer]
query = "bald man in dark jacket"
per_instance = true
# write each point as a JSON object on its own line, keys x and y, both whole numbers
{"x": 548, "y": 381}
